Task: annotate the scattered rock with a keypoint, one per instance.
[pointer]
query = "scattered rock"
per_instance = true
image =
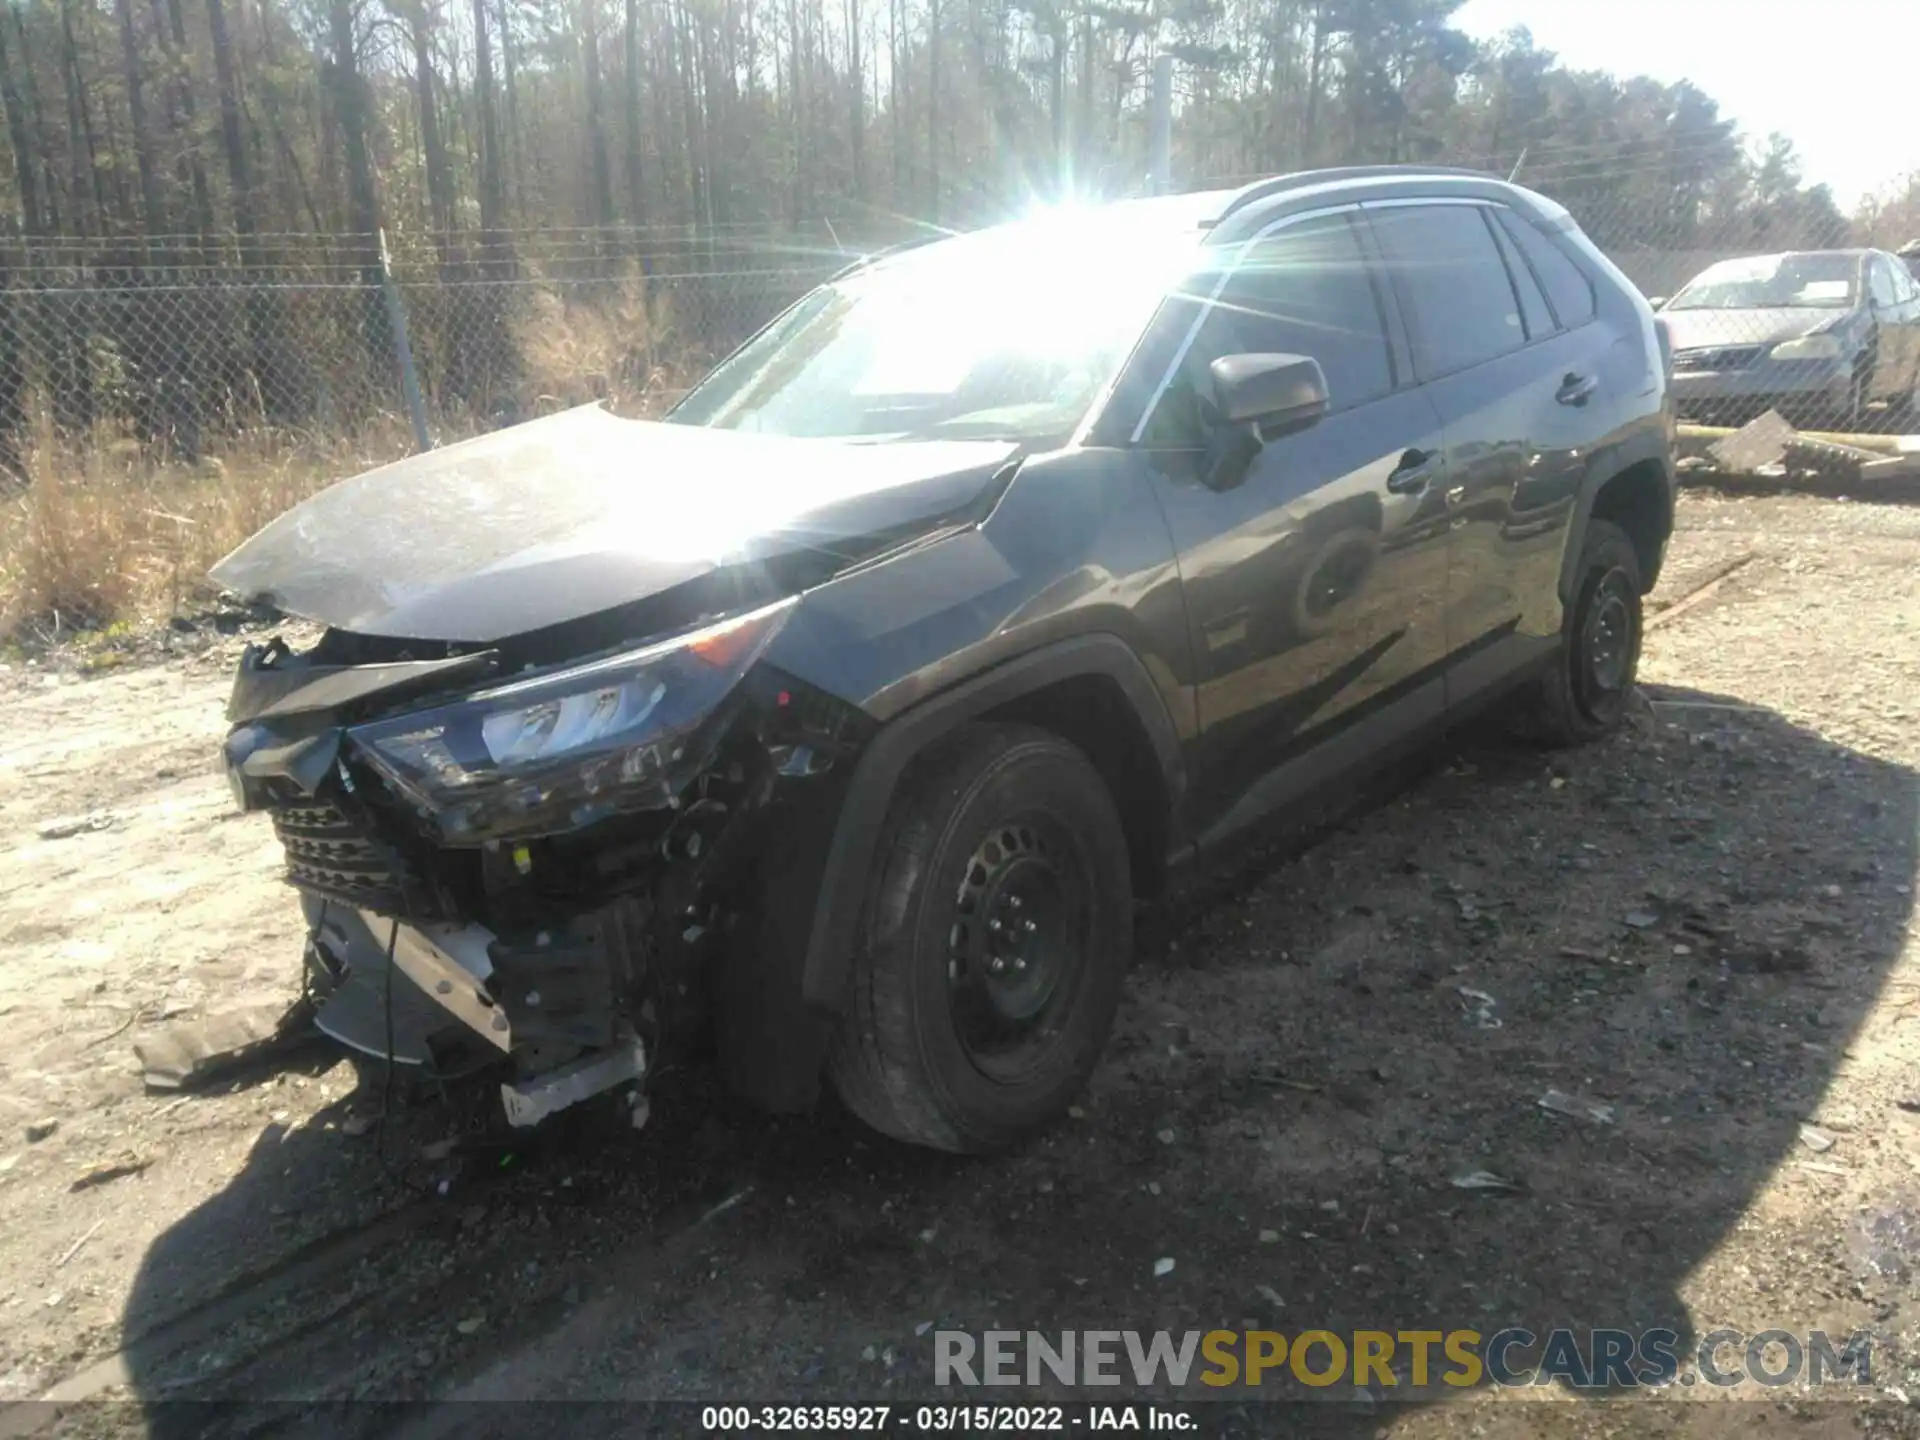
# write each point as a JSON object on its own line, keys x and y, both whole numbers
{"x": 41, "y": 1129}
{"x": 356, "y": 1124}
{"x": 1163, "y": 1266}
{"x": 1269, "y": 1237}
{"x": 1574, "y": 1106}
{"x": 1815, "y": 1139}
{"x": 1166, "y": 1137}
{"x": 67, "y": 826}
{"x": 1271, "y": 1296}
{"x": 1485, "y": 1180}
{"x": 1641, "y": 919}
{"x": 104, "y": 1174}
{"x": 471, "y": 1324}
{"x": 923, "y": 1327}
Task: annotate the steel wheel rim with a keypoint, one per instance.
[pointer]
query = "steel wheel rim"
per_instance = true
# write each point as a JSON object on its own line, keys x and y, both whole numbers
{"x": 1607, "y": 638}
{"x": 1017, "y": 948}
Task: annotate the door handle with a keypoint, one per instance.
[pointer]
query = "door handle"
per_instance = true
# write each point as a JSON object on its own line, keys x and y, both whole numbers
{"x": 1575, "y": 389}
{"x": 1411, "y": 475}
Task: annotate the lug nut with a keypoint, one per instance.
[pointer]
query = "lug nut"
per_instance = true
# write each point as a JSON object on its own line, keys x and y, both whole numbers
{"x": 1030, "y": 927}
{"x": 996, "y": 965}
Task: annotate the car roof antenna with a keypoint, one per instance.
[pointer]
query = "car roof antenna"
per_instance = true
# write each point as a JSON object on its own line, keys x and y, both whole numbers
{"x": 1515, "y": 173}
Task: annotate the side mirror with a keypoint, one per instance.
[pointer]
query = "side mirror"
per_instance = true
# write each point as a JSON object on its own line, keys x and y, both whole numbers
{"x": 1281, "y": 393}
{"x": 1658, "y": 302}
{"x": 1257, "y": 398}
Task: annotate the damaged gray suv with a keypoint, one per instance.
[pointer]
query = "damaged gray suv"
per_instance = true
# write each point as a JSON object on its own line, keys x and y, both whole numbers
{"x": 837, "y": 722}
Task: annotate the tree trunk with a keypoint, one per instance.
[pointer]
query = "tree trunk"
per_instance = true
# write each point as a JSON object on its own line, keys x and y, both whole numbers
{"x": 514, "y": 162}
{"x": 439, "y": 168}
{"x": 492, "y": 198}
{"x": 856, "y": 91}
{"x": 20, "y": 136}
{"x": 636, "y": 174}
{"x": 897, "y": 100}
{"x": 363, "y": 200}
{"x": 14, "y": 344}
{"x": 83, "y": 175}
{"x": 277, "y": 388}
{"x": 153, "y": 213}
{"x": 184, "y": 114}
{"x": 933, "y": 111}
{"x": 599, "y": 172}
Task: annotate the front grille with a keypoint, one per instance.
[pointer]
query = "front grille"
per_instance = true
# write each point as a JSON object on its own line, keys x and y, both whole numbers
{"x": 1717, "y": 357}
{"x": 333, "y": 854}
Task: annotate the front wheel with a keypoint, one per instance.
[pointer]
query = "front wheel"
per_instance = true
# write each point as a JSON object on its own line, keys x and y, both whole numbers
{"x": 1584, "y": 696}
{"x": 996, "y": 932}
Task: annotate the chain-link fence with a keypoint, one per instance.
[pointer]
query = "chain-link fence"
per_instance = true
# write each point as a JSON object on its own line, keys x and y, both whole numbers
{"x": 183, "y": 350}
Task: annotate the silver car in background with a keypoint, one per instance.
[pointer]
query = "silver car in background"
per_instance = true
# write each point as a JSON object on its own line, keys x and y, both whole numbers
{"x": 1829, "y": 338}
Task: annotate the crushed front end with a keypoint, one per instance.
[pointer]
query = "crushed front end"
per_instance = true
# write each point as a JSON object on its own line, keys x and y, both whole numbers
{"x": 560, "y": 868}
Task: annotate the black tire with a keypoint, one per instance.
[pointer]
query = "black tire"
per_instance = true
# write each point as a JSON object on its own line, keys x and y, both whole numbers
{"x": 1002, "y": 847}
{"x": 1586, "y": 693}
{"x": 1335, "y": 574}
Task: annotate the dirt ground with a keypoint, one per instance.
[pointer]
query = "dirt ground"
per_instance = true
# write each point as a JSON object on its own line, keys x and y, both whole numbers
{"x": 1706, "y": 924}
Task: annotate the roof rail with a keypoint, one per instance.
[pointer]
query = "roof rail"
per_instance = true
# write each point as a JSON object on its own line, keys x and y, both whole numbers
{"x": 1303, "y": 179}
{"x": 884, "y": 251}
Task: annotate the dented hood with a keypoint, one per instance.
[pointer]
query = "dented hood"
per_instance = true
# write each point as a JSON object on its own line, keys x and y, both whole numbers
{"x": 576, "y": 513}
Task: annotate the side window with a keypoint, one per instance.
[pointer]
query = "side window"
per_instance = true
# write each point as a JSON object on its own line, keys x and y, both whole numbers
{"x": 1904, "y": 284}
{"x": 1880, "y": 282}
{"x": 1533, "y": 304}
{"x": 1459, "y": 303}
{"x": 1306, "y": 290}
{"x": 1569, "y": 289}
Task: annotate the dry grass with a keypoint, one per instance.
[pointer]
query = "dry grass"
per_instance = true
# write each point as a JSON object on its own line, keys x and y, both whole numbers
{"x": 609, "y": 346}
{"x": 106, "y": 534}
{"x": 110, "y": 533}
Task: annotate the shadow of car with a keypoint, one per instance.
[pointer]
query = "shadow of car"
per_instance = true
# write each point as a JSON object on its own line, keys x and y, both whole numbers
{"x": 1295, "y": 1057}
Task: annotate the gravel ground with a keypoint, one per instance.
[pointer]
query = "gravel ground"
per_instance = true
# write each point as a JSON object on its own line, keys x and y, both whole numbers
{"x": 1705, "y": 924}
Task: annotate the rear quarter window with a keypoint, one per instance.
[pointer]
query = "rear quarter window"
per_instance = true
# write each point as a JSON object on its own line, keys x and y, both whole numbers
{"x": 1568, "y": 289}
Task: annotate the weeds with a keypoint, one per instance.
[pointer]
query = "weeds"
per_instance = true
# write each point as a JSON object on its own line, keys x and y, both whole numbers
{"x": 110, "y": 531}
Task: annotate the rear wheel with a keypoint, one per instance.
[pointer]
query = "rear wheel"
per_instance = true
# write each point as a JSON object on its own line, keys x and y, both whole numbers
{"x": 1585, "y": 694}
{"x": 997, "y": 930}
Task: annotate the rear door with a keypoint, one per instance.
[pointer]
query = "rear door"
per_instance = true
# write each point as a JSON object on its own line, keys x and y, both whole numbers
{"x": 1896, "y": 313}
{"x": 1505, "y": 342}
{"x": 1316, "y": 586}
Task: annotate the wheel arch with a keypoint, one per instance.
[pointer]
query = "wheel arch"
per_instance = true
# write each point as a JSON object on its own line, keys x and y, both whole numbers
{"x": 1076, "y": 688}
{"x": 1636, "y": 495}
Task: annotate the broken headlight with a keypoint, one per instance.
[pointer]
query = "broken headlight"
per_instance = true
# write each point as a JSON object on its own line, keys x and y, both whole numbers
{"x": 565, "y": 749}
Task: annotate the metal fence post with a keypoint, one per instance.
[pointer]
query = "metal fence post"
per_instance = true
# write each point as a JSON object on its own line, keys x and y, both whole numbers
{"x": 403, "y": 350}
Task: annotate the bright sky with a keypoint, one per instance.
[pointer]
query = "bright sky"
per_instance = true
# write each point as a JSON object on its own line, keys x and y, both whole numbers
{"x": 1837, "y": 76}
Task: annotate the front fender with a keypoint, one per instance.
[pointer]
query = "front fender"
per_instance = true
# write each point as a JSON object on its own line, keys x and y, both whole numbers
{"x": 852, "y": 852}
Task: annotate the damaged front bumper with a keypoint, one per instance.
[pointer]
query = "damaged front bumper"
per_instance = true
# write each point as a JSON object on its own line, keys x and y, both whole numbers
{"x": 544, "y": 874}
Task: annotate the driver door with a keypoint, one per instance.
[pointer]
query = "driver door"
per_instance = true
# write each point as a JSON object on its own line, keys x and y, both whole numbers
{"x": 1316, "y": 585}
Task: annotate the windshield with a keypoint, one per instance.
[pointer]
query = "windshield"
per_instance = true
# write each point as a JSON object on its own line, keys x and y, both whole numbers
{"x": 1006, "y": 334}
{"x": 1775, "y": 282}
